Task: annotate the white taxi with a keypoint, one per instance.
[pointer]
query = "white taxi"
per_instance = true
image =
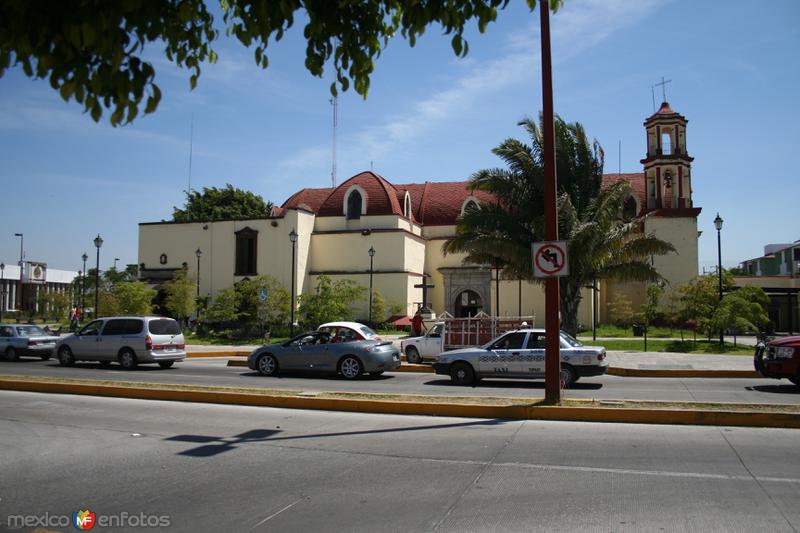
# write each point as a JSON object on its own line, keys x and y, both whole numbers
{"x": 520, "y": 354}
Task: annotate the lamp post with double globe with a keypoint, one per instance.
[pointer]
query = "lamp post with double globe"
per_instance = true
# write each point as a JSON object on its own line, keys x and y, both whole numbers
{"x": 83, "y": 282}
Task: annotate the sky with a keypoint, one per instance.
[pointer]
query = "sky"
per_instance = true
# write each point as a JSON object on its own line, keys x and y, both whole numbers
{"x": 429, "y": 116}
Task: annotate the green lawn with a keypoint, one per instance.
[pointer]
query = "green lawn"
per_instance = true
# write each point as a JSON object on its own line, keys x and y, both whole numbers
{"x": 656, "y": 345}
{"x": 609, "y": 330}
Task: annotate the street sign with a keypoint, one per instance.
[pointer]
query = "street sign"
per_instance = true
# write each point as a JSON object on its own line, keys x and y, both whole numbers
{"x": 263, "y": 293}
{"x": 550, "y": 259}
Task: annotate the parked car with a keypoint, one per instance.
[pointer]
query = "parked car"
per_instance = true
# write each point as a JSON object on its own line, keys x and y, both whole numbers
{"x": 128, "y": 340}
{"x": 779, "y": 358}
{"x": 25, "y": 340}
{"x": 319, "y": 351}
{"x": 348, "y": 331}
{"x": 520, "y": 354}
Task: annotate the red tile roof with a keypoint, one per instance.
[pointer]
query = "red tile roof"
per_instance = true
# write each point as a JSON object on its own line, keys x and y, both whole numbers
{"x": 432, "y": 203}
{"x": 636, "y": 179}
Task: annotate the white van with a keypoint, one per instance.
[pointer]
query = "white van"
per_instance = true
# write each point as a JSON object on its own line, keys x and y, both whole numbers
{"x": 128, "y": 340}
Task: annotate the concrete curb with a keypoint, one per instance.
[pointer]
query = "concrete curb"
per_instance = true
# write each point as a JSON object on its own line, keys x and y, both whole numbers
{"x": 221, "y": 353}
{"x": 511, "y": 412}
{"x": 625, "y": 372}
{"x": 683, "y": 373}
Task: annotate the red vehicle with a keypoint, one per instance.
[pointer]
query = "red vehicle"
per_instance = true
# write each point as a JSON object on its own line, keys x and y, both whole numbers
{"x": 779, "y": 358}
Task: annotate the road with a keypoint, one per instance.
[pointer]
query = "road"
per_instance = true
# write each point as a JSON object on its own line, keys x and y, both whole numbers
{"x": 214, "y": 372}
{"x": 230, "y": 468}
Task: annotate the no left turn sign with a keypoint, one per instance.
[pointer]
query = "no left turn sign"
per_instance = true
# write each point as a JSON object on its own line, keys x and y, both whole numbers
{"x": 550, "y": 259}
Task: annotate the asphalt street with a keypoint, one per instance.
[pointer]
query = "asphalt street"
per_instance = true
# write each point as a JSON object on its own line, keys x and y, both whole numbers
{"x": 214, "y": 372}
{"x": 230, "y": 468}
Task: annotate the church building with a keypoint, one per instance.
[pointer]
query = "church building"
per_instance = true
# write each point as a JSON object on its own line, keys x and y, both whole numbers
{"x": 393, "y": 232}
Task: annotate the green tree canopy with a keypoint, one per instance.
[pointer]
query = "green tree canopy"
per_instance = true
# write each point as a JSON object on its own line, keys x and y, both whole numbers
{"x": 330, "y": 301}
{"x": 602, "y": 245}
{"x": 223, "y": 203}
{"x": 134, "y": 297}
{"x": 180, "y": 295}
{"x": 92, "y": 50}
{"x": 700, "y": 299}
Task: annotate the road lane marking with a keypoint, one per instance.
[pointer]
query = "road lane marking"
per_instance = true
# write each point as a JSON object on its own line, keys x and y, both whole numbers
{"x": 273, "y": 515}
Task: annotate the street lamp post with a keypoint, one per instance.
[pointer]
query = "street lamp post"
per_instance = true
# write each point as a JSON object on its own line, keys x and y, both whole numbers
{"x": 83, "y": 282}
{"x": 98, "y": 242}
{"x": 293, "y": 240}
{"x": 718, "y": 225}
{"x": 2, "y": 290}
{"x": 371, "y": 253}
{"x": 198, "y": 253}
{"x": 21, "y": 259}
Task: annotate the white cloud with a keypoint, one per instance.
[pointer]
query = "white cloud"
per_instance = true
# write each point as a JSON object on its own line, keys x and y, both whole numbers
{"x": 578, "y": 26}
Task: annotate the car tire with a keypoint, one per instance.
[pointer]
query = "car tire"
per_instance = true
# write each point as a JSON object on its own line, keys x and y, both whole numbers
{"x": 568, "y": 376}
{"x": 166, "y": 364}
{"x": 65, "y": 357}
{"x": 461, "y": 373}
{"x": 11, "y": 354}
{"x": 127, "y": 359}
{"x": 267, "y": 365}
{"x": 412, "y": 356}
{"x": 350, "y": 367}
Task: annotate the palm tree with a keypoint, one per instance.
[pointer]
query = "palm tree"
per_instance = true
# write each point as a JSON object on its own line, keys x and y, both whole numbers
{"x": 602, "y": 245}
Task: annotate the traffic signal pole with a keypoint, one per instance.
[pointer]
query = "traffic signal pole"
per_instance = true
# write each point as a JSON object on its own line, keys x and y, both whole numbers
{"x": 551, "y": 299}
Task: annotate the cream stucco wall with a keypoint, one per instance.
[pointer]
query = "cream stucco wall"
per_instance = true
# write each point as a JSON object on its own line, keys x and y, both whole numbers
{"x": 681, "y": 267}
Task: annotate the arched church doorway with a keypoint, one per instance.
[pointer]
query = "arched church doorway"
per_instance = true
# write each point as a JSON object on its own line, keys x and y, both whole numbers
{"x": 468, "y": 303}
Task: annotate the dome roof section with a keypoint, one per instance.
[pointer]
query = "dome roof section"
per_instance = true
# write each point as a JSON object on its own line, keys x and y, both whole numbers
{"x": 380, "y": 196}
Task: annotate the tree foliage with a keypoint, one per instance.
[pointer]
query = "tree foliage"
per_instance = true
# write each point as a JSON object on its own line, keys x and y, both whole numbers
{"x": 378, "y": 308}
{"x": 330, "y": 301}
{"x": 742, "y": 310}
{"x": 274, "y": 311}
{"x": 602, "y": 245}
{"x": 700, "y": 299}
{"x": 224, "y": 306}
{"x": 134, "y": 297}
{"x": 221, "y": 203}
{"x": 180, "y": 295}
{"x": 92, "y": 51}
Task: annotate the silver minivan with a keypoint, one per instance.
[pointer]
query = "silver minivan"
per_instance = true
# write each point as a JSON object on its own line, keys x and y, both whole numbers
{"x": 128, "y": 340}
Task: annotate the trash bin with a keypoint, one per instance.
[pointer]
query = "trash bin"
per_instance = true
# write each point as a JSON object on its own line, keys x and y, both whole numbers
{"x": 638, "y": 330}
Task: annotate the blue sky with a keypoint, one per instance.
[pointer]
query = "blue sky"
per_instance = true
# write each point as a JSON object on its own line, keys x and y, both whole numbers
{"x": 429, "y": 116}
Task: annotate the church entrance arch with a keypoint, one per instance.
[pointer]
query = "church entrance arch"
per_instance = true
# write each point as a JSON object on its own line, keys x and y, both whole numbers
{"x": 468, "y": 303}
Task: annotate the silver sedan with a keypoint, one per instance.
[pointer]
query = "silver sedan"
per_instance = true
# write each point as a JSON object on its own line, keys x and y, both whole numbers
{"x": 315, "y": 351}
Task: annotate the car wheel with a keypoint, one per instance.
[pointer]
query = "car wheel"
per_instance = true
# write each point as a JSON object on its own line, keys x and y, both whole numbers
{"x": 568, "y": 376}
{"x": 127, "y": 359}
{"x": 267, "y": 365}
{"x": 350, "y": 367}
{"x": 412, "y": 355}
{"x": 462, "y": 374}
{"x": 11, "y": 354}
{"x": 65, "y": 357}
{"x": 166, "y": 364}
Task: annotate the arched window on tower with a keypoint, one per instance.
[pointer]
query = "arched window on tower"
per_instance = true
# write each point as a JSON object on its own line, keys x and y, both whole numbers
{"x": 666, "y": 144}
{"x": 407, "y": 206}
{"x": 354, "y": 206}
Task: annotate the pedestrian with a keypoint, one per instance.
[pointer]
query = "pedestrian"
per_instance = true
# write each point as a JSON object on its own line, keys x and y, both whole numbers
{"x": 416, "y": 324}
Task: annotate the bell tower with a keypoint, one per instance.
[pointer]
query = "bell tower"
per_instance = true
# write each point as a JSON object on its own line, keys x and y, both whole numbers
{"x": 667, "y": 167}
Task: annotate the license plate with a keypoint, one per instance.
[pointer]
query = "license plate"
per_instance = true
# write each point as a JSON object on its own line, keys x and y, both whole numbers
{"x": 170, "y": 348}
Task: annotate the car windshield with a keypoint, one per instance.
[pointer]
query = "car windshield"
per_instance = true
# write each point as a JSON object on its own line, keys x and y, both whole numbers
{"x": 368, "y": 332}
{"x": 30, "y": 331}
{"x": 164, "y": 327}
{"x": 569, "y": 339}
